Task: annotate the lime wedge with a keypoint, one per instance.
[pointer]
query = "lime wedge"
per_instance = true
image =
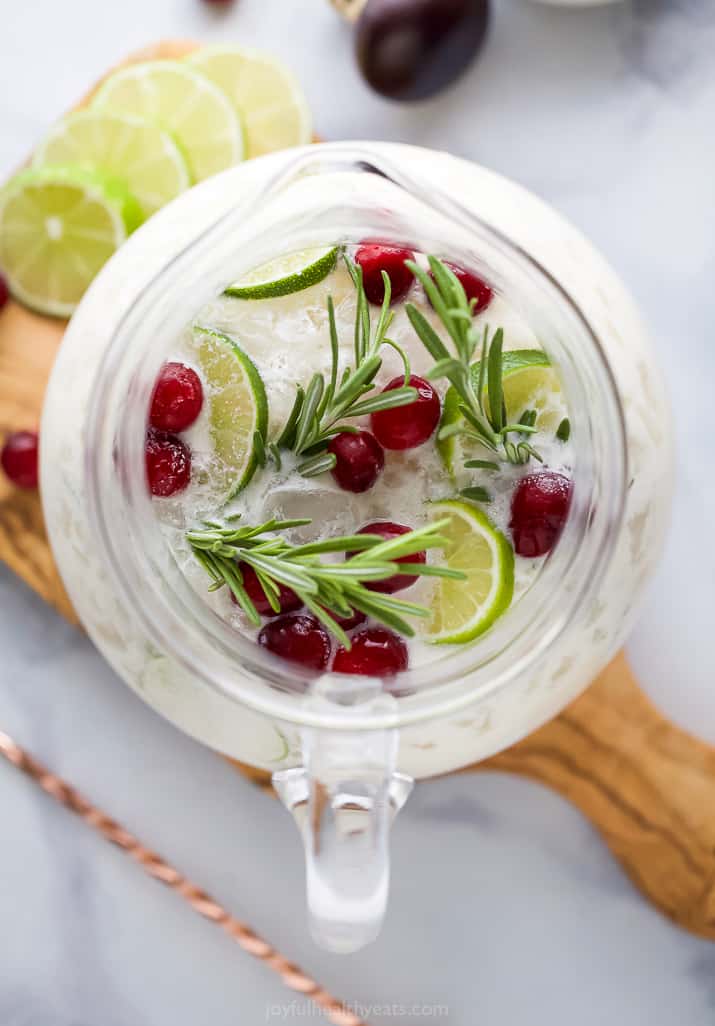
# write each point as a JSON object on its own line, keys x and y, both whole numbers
{"x": 238, "y": 411}
{"x": 530, "y": 383}
{"x": 272, "y": 105}
{"x": 58, "y": 227}
{"x": 137, "y": 151}
{"x": 185, "y": 103}
{"x": 290, "y": 273}
{"x": 462, "y": 610}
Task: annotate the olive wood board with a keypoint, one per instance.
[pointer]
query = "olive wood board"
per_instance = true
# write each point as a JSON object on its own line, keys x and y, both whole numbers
{"x": 647, "y": 786}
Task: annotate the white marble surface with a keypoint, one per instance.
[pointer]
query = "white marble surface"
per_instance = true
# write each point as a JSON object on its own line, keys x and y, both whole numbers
{"x": 608, "y": 113}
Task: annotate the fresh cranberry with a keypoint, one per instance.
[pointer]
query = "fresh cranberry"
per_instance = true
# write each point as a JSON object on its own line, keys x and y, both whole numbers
{"x": 374, "y": 259}
{"x": 299, "y": 639}
{"x": 405, "y": 427}
{"x": 19, "y": 458}
{"x": 474, "y": 286}
{"x": 387, "y": 530}
{"x": 177, "y": 399}
{"x": 539, "y": 508}
{"x": 287, "y": 598}
{"x": 4, "y": 292}
{"x": 360, "y": 460}
{"x": 375, "y": 652}
{"x": 168, "y": 464}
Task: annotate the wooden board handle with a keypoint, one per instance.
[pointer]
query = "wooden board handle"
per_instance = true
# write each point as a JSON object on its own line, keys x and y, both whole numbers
{"x": 645, "y": 784}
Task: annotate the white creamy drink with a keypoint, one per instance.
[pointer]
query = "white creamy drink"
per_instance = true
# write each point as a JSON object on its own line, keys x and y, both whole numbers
{"x": 133, "y": 573}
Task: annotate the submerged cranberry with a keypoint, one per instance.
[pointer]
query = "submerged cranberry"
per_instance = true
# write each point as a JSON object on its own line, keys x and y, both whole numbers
{"x": 168, "y": 464}
{"x": 374, "y": 259}
{"x": 299, "y": 639}
{"x": 287, "y": 598}
{"x": 406, "y": 427}
{"x": 375, "y": 652}
{"x": 19, "y": 458}
{"x": 474, "y": 286}
{"x": 4, "y": 292}
{"x": 386, "y": 529}
{"x": 360, "y": 460}
{"x": 177, "y": 399}
{"x": 539, "y": 508}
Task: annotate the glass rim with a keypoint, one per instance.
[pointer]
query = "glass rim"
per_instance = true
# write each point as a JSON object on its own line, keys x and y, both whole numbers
{"x": 431, "y": 699}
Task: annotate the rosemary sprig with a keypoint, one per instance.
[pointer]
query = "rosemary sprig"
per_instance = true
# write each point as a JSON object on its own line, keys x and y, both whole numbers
{"x": 320, "y": 410}
{"x": 484, "y": 422}
{"x": 327, "y": 589}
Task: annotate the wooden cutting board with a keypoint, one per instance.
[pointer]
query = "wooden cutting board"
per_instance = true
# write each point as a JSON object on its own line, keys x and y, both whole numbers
{"x": 646, "y": 785}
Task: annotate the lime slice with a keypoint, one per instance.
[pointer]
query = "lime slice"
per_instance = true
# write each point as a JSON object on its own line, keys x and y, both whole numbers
{"x": 273, "y": 107}
{"x": 530, "y": 383}
{"x": 290, "y": 273}
{"x": 137, "y": 151}
{"x": 238, "y": 411}
{"x": 58, "y": 227}
{"x": 185, "y": 103}
{"x": 462, "y": 610}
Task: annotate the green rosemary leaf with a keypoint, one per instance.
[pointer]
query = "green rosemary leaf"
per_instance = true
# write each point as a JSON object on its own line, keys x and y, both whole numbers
{"x": 524, "y": 429}
{"x": 348, "y": 543}
{"x": 494, "y": 381}
{"x": 426, "y": 333}
{"x": 430, "y": 570}
{"x": 287, "y": 436}
{"x": 321, "y": 613}
{"x": 476, "y": 493}
{"x": 352, "y": 388}
{"x": 481, "y": 465}
{"x": 386, "y": 317}
{"x": 282, "y": 571}
{"x": 443, "y": 368}
{"x": 306, "y": 421}
{"x": 563, "y": 431}
{"x": 259, "y": 448}
{"x": 321, "y": 463}
{"x": 483, "y": 359}
{"x": 528, "y": 418}
{"x": 384, "y": 401}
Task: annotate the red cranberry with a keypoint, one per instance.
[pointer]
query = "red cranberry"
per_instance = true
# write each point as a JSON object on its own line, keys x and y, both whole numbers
{"x": 4, "y": 292}
{"x": 539, "y": 508}
{"x": 374, "y": 259}
{"x": 177, "y": 399}
{"x": 375, "y": 652}
{"x": 405, "y": 427}
{"x": 168, "y": 464}
{"x": 287, "y": 598}
{"x": 474, "y": 286}
{"x": 360, "y": 460}
{"x": 387, "y": 530}
{"x": 299, "y": 639}
{"x": 19, "y": 458}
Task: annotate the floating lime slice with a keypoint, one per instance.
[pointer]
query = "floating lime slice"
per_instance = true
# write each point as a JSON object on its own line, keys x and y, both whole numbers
{"x": 238, "y": 411}
{"x": 58, "y": 227}
{"x": 271, "y": 103}
{"x": 185, "y": 103}
{"x": 290, "y": 273}
{"x": 529, "y": 382}
{"x": 461, "y": 610}
{"x": 129, "y": 148}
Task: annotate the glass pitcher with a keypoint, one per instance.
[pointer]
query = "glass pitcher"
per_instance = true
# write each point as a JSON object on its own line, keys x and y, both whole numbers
{"x": 343, "y": 752}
